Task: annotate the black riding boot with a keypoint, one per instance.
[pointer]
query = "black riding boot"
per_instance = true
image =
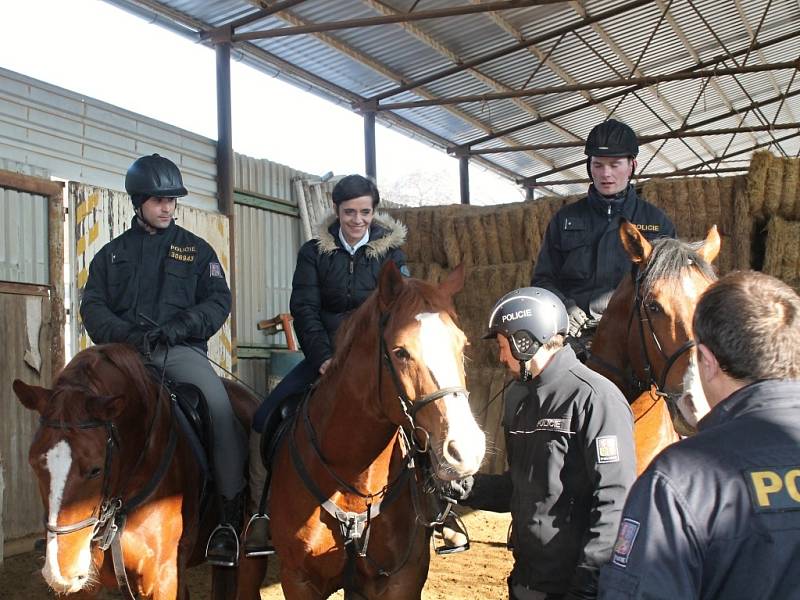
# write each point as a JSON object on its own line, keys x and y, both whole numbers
{"x": 223, "y": 544}
{"x": 256, "y": 537}
{"x": 454, "y": 535}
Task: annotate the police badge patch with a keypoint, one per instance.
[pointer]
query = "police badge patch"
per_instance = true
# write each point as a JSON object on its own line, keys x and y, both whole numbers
{"x": 624, "y": 544}
{"x": 215, "y": 269}
{"x": 607, "y": 449}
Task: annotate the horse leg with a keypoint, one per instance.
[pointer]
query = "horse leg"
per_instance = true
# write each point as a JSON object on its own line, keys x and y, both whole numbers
{"x": 251, "y": 575}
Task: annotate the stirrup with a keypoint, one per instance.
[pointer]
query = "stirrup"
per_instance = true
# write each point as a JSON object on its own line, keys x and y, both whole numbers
{"x": 448, "y": 545}
{"x": 252, "y": 547}
{"x": 219, "y": 561}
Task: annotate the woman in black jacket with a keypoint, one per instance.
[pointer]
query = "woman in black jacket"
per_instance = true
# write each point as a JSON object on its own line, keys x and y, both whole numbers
{"x": 336, "y": 271}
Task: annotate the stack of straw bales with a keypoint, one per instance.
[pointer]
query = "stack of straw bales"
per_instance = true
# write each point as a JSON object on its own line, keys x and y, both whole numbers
{"x": 695, "y": 204}
{"x": 782, "y": 256}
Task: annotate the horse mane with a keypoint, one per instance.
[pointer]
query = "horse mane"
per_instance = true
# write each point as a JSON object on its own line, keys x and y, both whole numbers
{"x": 416, "y": 296}
{"x": 670, "y": 260}
{"x": 82, "y": 375}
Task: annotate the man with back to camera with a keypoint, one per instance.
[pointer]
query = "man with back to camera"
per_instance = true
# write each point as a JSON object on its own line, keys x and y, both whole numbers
{"x": 159, "y": 272}
{"x": 717, "y": 515}
{"x": 570, "y": 453}
{"x": 581, "y": 259}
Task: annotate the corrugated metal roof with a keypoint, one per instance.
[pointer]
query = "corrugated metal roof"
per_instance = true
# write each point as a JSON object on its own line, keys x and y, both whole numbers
{"x": 655, "y": 38}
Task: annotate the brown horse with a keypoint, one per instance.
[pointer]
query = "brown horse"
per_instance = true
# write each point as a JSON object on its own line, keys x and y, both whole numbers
{"x": 347, "y": 501}
{"x": 111, "y": 459}
{"x": 644, "y": 339}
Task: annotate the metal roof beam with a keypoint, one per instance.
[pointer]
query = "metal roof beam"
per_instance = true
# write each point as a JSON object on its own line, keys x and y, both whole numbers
{"x": 536, "y": 179}
{"x": 421, "y": 15}
{"x": 567, "y": 111}
{"x": 226, "y": 31}
{"x": 561, "y": 89}
{"x": 469, "y": 64}
{"x": 642, "y": 139}
{"x": 677, "y": 173}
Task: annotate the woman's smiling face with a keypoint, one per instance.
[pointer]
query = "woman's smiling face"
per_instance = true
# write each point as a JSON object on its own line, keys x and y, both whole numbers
{"x": 355, "y": 216}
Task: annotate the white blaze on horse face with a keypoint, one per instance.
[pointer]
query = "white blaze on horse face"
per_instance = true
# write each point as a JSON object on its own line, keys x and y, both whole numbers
{"x": 59, "y": 462}
{"x": 465, "y": 445}
{"x": 693, "y": 404}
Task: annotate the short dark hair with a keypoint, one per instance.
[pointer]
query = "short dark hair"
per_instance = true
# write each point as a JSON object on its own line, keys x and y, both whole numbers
{"x": 751, "y": 323}
{"x": 355, "y": 186}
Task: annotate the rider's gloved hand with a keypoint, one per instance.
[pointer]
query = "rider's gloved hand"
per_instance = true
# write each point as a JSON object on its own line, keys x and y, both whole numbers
{"x": 577, "y": 318}
{"x": 459, "y": 489}
{"x": 143, "y": 340}
{"x": 178, "y": 329}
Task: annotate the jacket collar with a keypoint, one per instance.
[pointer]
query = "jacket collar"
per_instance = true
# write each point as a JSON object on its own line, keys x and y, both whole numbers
{"x": 561, "y": 361}
{"x": 137, "y": 227}
{"x": 761, "y": 395}
{"x": 623, "y": 207}
{"x": 385, "y": 233}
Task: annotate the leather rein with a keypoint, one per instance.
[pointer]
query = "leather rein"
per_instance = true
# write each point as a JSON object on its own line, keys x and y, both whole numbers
{"x": 355, "y": 527}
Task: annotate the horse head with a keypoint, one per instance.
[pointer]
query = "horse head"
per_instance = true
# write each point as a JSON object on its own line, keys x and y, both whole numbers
{"x": 423, "y": 380}
{"x": 71, "y": 455}
{"x": 653, "y": 310}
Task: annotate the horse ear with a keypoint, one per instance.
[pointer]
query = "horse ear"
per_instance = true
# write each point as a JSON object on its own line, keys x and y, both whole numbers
{"x": 105, "y": 408}
{"x": 710, "y": 248}
{"x": 454, "y": 282}
{"x": 32, "y": 397}
{"x": 635, "y": 244}
{"x": 390, "y": 283}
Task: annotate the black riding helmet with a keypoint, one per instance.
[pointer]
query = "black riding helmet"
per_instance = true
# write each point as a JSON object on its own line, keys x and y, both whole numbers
{"x": 155, "y": 176}
{"x": 610, "y": 138}
{"x": 528, "y": 317}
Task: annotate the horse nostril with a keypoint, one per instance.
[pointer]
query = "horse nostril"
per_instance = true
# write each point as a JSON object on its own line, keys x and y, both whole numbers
{"x": 452, "y": 451}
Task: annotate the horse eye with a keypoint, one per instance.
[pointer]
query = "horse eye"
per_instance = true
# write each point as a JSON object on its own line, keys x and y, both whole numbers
{"x": 654, "y": 307}
{"x": 94, "y": 473}
{"x": 401, "y": 353}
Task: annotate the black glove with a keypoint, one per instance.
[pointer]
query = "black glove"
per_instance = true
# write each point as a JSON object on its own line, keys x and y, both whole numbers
{"x": 577, "y": 318}
{"x": 459, "y": 489}
{"x": 143, "y": 340}
{"x": 178, "y": 329}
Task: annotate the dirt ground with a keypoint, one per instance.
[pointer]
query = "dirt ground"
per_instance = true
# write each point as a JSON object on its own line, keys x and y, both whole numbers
{"x": 478, "y": 573}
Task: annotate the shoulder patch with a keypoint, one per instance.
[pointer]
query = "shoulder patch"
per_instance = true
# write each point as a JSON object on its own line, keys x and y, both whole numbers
{"x": 215, "y": 269}
{"x": 628, "y": 529}
{"x": 607, "y": 449}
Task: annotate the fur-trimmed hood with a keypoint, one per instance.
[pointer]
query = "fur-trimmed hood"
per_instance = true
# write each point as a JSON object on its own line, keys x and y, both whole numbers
{"x": 385, "y": 233}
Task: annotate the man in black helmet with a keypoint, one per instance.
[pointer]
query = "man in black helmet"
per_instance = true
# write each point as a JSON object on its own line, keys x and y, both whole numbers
{"x": 157, "y": 272}
{"x": 581, "y": 259}
{"x": 570, "y": 452}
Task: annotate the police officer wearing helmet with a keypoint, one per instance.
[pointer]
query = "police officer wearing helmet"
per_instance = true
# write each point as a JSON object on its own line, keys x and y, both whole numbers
{"x": 157, "y": 272}
{"x": 717, "y": 515}
{"x": 581, "y": 259}
{"x": 569, "y": 444}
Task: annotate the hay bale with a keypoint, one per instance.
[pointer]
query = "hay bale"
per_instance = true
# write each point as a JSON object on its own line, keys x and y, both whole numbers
{"x": 503, "y": 231}
{"x": 683, "y": 208}
{"x": 517, "y": 235}
{"x": 757, "y": 181}
{"x": 790, "y": 194}
{"x": 782, "y": 256}
{"x": 411, "y": 220}
{"x": 477, "y": 235}
{"x": 449, "y": 240}
{"x": 697, "y": 202}
{"x": 773, "y": 187}
{"x": 713, "y": 207}
{"x": 437, "y": 243}
{"x": 464, "y": 239}
{"x": 742, "y": 225}
{"x": 727, "y": 187}
{"x": 494, "y": 254}
{"x": 425, "y": 234}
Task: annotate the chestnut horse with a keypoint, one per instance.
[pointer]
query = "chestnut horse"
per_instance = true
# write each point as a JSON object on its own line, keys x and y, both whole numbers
{"x": 347, "y": 504}
{"x": 120, "y": 486}
{"x": 644, "y": 341}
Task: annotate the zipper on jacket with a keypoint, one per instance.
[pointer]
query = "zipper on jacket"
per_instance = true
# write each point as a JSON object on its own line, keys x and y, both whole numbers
{"x": 351, "y": 264}
{"x": 609, "y": 212}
